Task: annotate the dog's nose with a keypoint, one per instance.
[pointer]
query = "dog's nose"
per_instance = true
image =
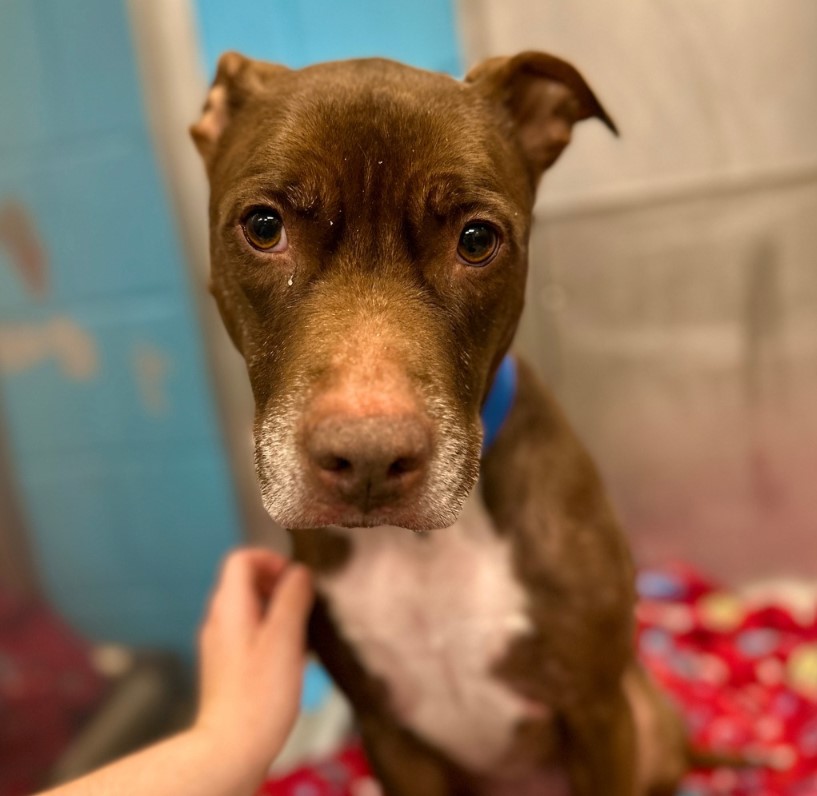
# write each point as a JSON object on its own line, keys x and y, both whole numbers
{"x": 369, "y": 461}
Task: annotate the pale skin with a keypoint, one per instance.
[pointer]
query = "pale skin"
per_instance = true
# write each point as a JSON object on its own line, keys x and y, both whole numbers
{"x": 251, "y": 648}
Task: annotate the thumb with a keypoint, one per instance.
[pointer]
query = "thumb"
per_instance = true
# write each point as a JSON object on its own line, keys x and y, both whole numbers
{"x": 285, "y": 621}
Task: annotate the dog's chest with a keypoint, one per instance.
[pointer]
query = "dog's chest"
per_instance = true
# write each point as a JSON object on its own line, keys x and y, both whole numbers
{"x": 431, "y": 615}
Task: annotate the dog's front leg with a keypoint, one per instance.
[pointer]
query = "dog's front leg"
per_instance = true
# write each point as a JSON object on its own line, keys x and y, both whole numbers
{"x": 602, "y": 749}
{"x": 403, "y": 764}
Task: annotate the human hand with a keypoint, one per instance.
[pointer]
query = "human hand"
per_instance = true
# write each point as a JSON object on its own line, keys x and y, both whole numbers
{"x": 252, "y": 648}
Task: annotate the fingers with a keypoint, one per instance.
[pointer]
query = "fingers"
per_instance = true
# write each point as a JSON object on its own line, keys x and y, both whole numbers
{"x": 260, "y": 592}
{"x": 247, "y": 579}
{"x": 244, "y": 563}
{"x": 287, "y": 615}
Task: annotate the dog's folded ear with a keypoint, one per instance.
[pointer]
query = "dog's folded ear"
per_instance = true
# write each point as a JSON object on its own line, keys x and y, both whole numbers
{"x": 544, "y": 97}
{"x": 237, "y": 79}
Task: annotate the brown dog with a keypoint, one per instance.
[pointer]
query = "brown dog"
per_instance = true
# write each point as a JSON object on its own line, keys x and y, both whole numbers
{"x": 369, "y": 235}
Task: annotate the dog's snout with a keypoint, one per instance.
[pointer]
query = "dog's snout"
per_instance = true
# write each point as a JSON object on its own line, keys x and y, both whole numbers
{"x": 369, "y": 461}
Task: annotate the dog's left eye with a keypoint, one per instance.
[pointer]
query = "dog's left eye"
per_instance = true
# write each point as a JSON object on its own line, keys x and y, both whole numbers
{"x": 264, "y": 230}
{"x": 478, "y": 243}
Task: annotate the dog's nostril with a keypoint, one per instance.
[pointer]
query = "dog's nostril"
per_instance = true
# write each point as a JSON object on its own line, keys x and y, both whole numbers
{"x": 334, "y": 464}
{"x": 405, "y": 464}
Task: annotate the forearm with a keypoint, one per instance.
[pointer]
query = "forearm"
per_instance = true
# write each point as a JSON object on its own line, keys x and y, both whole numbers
{"x": 252, "y": 657}
{"x": 188, "y": 764}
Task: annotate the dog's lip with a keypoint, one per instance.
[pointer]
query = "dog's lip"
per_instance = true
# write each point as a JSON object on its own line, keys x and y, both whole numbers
{"x": 410, "y": 520}
{"x": 364, "y": 521}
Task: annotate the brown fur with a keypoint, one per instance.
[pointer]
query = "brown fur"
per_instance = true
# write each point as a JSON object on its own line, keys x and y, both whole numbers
{"x": 374, "y": 168}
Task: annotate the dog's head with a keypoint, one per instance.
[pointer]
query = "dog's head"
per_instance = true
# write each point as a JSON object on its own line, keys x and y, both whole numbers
{"x": 369, "y": 234}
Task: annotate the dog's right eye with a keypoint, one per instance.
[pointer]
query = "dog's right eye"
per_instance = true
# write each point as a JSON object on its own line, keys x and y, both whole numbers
{"x": 264, "y": 230}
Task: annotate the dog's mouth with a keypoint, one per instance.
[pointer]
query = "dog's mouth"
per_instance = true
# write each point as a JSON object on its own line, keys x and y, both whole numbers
{"x": 416, "y": 512}
{"x": 366, "y": 472}
{"x": 410, "y": 520}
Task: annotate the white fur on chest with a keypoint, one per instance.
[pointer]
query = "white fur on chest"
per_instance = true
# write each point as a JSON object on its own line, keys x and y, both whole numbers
{"x": 431, "y": 615}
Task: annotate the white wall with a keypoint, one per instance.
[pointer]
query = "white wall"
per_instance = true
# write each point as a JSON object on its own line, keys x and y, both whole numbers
{"x": 701, "y": 90}
{"x": 673, "y": 294}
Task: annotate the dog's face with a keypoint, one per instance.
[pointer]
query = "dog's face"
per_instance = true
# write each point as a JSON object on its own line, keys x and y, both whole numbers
{"x": 369, "y": 232}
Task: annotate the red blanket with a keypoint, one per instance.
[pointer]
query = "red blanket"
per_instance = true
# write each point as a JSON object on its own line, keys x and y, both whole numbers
{"x": 744, "y": 671}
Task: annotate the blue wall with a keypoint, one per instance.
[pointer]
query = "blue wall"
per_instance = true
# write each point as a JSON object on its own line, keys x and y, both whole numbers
{"x": 298, "y": 32}
{"x": 115, "y": 440}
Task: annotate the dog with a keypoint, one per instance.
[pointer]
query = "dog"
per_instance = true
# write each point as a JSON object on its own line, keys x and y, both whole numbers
{"x": 475, "y": 598}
